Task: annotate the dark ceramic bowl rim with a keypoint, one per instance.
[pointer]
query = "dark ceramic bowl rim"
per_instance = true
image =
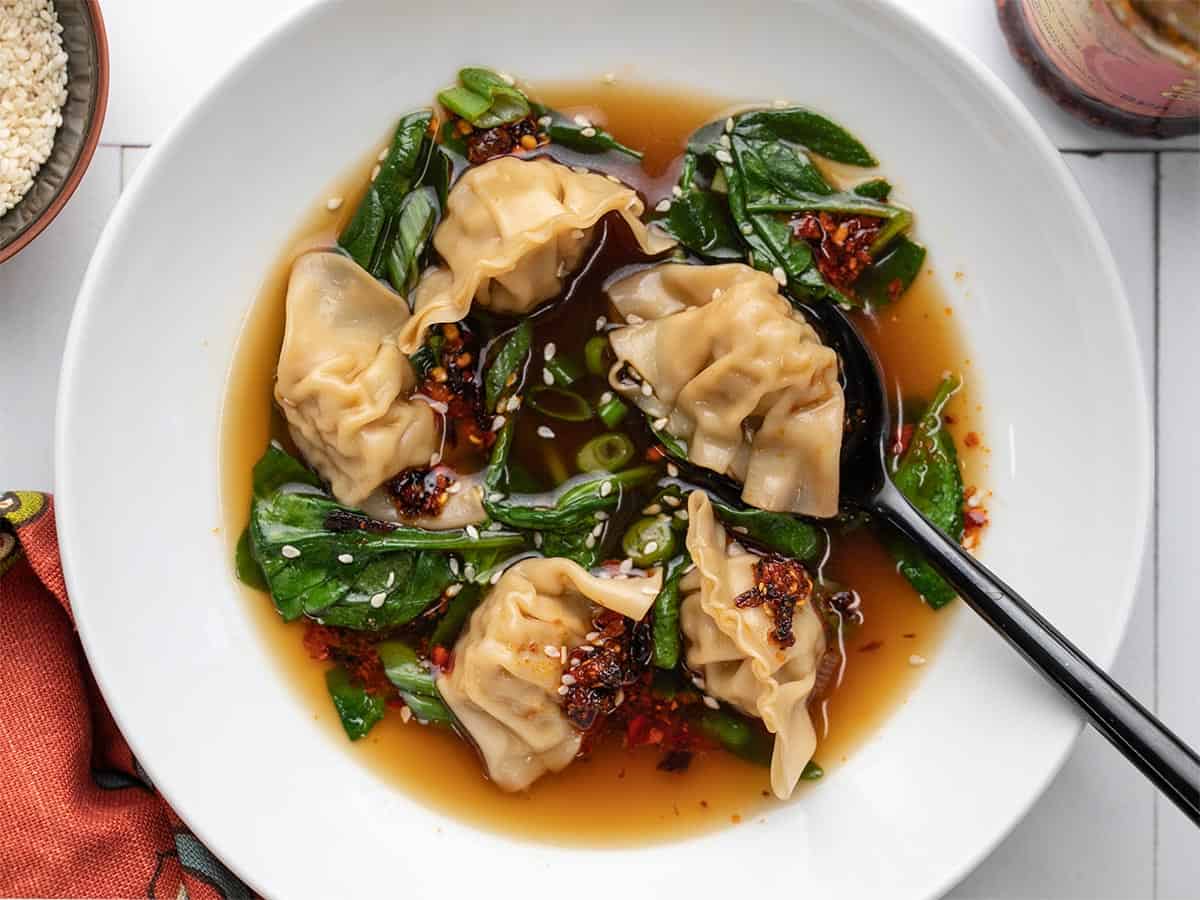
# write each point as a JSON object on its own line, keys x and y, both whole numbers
{"x": 86, "y": 151}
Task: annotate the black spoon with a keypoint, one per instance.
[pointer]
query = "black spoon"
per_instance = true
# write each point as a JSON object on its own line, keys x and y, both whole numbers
{"x": 1146, "y": 742}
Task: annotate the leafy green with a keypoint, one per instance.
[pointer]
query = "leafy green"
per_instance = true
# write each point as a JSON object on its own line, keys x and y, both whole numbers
{"x": 667, "y": 639}
{"x": 485, "y": 99}
{"x": 896, "y": 219}
{"x": 335, "y": 564}
{"x": 781, "y": 532}
{"x": 741, "y": 736}
{"x": 509, "y": 363}
{"x": 574, "y": 507}
{"x": 807, "y": 128}
{"x": 414, "y": 681}
{"x": 700, "y": 220}
{"x": 928, "y": 475}
{"x": 577, "y": 136}
{"x": 458, "y": 610}
{"x": 367, "y": 237}
{"x": 876, "y": 188}
{"x": 358, "y": 709}
{"x": 248, "y": 570}
{"x": 891, "y": 274}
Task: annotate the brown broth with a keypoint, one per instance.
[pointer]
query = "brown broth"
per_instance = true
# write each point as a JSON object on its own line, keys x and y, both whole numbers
{"x": 614, "y": 796}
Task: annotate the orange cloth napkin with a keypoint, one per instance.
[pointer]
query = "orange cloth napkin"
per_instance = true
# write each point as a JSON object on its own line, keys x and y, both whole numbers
{"x": 78, "y": 816}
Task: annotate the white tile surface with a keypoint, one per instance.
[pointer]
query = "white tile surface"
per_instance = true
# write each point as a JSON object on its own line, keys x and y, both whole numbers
{"x": 1179, "y": 498}
{"x": 37, "y": 294}
{"x": 1091, "y": 835}
{"x": 1098, "y": 832}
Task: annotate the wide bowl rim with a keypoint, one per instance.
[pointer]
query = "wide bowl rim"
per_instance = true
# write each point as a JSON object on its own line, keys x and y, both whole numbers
{"x": 70, "y": 520}
{"x": 99, "y": 108}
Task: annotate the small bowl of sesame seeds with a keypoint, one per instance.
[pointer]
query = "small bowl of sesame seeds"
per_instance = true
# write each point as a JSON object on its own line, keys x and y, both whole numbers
{"x": 53, "y": 95}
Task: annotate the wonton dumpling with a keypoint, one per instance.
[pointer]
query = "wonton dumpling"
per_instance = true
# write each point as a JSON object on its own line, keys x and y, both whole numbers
{"x": 514, "y": 229}
{"x": 733, "y": 650}
{"x": 739, "y": 376}
{"x": 343, "y": 384}
{"x": 462, "y": 508}
{"x": 503, "y": 688}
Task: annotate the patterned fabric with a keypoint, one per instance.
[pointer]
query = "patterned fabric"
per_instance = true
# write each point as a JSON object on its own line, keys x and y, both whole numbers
{"x": 80, "y": 817}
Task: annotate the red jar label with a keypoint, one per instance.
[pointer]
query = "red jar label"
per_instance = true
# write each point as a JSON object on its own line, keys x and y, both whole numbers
{"x": 1090, "y": 47}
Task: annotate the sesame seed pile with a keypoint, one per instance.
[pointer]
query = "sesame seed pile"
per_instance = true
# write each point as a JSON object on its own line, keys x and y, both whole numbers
{"x": 33, "y": 89}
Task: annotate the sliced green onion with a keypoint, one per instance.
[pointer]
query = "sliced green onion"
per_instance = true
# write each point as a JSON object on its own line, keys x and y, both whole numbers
{"x": 649, "y": 541}
{"x": 597, "y": 355}
{"x": 606, "y": 453}
{"x": 612, "y": 412}
{"x": 564, "y": 370}
{"x": 464, "y": 102}
{"x": 559, "y": 403}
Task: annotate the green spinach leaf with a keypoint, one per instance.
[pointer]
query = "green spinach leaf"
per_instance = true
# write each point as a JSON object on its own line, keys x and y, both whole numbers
{"x": 414, "y": 681}
{"x": 892, "y": 274}
{"x": 928, "y": 475}
{"x": 358, "y": 709}
{"x": 506, "y": 372}
{"x": 808, "y": 129}
{"x": 667, "y": 639}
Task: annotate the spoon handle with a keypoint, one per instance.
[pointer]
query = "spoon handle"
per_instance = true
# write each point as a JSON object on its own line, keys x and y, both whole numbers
{"x": 1142, "y": 738}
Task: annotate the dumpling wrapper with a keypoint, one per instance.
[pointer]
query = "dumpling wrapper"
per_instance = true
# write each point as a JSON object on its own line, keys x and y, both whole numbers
{"x": 462, "y": 508}
{"x": 343, "y": 383}
{"x": 503, "y": 688}
{"x": 733, "y": 650}
{"x": 513, "y": 231}
{"x": 741, "y": 378}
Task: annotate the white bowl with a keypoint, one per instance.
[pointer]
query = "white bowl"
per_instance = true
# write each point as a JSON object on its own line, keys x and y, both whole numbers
{"x": 186, "y": 672}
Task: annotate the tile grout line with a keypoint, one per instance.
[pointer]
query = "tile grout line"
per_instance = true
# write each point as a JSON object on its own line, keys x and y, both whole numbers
{"x": 1127, "y": 151}
{"x": 1157, "y": 227}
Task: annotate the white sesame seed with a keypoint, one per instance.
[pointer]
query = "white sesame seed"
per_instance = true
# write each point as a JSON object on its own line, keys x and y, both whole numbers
{"x": 377, "y": 600}
{"x": 287, "y": 551}
{"x": 650, "y": 547}
{"x": 391, "y": 579}
{"x": 469, "y": 572}
{"x": 545, "y": 121}
{"x": 652, "y": 510}
{"x": 547, "y": 376}
{"x": 601, "y": 515}
{"x": 634, "y": 319}
{"x": 647, "y": 391}
{"x": 346, "y": 558}
{"x": 495, "y": 576}
{"x": 453, "y": 590}
{"x": 545, "y": 431}
{"x": 917, "y": 660}
{"x": 588, "y": 132}
{"x": 663, "y": 205}
{"x": 537, "y": 539}
{"x": 591, "y": 636}
{"x": 711, "y": 703}
{"x": 671, "y": 500}
{"x": 589, "y": 542}
{"x": 723, "y": 156}
{"x": 454, "y": 569}
{"x": 606, "y": 488}
{"x": 568, "y": 679}
{"x": 435, "y": 458}
{"x": 747, "y": 228}
{"x": 495, "y": 496}
{"x": 598, "y": 530}
{"x": 601, "y": 321}
{"x": 582, "y": 121}
{"x": 779, "y": 275}
{"x": 563, "y": 690}
{"x": 548, "y": 351}
{"x": 498, "y": 422}
{"x": 725, "y": 142}
{"x": 405, "y": 715}
{"x": 698, "y": 682}
{"x": 514, "y": 402}
{"x": 606, "y": 397}
{"x": 472, "y": 532}
{"x": 741, "y": 529}
{"x": 551, "y": 650}
{"x": 660, "y": 424}
{"x": 626, "y": 567}
{"x": 973, "y": 501}
{"x": 676, "y": 190}
{"x": 681, "y": 515}
{"x": 729, "y": 124}
{"x": 673, "y": 470}
{"x": 333, "y": 203}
